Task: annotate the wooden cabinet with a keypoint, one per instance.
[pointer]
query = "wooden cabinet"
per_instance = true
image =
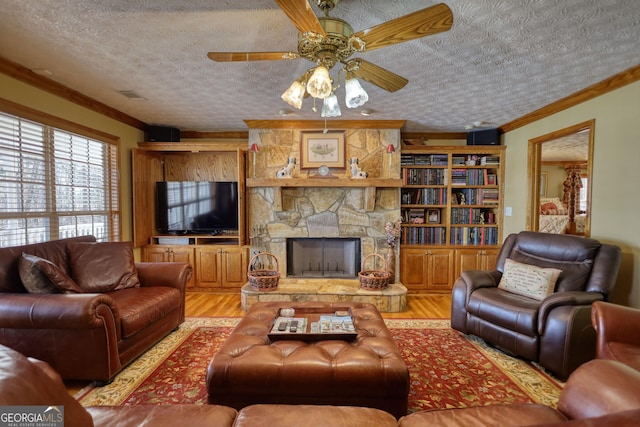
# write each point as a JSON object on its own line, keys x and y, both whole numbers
{"x": 221, "y": 267}
{"x": 451, "y": 209}
{"x": 169, "y": 253}
{"x": 426, "y": 269}
{"x": 215, "y": 267}
{"x": 183, "y": 161}
{"x": 219, "y": 261}
{"x": 475, "y": 259}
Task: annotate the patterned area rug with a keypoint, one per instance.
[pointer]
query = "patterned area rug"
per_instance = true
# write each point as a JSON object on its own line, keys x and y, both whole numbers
{"x": 447, "y": 369}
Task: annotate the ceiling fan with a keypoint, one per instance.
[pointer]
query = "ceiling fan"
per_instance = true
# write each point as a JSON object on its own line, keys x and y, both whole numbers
{"x": 328, "y": 40}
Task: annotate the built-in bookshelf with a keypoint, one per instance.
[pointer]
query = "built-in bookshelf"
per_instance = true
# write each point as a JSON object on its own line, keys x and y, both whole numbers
{"x": 451, "y": 199}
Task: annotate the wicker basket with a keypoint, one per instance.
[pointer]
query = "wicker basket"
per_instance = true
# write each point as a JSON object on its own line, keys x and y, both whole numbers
{"x": 374, "y": 279}
{"x": 263, "y": 280}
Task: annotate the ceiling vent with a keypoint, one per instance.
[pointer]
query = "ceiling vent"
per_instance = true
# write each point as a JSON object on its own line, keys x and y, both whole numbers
{"x": 131, "y": 94}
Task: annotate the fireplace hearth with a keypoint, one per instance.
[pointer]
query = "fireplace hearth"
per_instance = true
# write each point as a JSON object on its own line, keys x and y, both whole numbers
{"x": 323, "y": 257}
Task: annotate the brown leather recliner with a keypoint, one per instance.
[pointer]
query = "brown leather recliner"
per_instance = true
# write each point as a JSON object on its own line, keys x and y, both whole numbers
{"x": 556, "y": 331}
{"x": 618, "y": 333}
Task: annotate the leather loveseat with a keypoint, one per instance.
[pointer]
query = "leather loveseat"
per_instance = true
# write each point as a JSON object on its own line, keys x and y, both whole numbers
{"x": 85, "y": 334}
{"x": 553, "y": 327}
{"x": 601, "y": 392}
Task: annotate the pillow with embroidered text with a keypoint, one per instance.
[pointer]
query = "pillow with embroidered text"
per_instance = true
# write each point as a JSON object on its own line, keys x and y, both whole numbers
{"x": 528, "y": 280}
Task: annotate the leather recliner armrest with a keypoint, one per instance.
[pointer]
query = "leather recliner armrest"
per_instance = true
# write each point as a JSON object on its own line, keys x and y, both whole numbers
{"x": 475, "y": 279}
{"x": 170, "y": 274}
{"x": 560, "y": 299}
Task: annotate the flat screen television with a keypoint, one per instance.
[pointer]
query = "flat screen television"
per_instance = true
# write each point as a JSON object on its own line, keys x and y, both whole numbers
{"x": 188, "y": 207}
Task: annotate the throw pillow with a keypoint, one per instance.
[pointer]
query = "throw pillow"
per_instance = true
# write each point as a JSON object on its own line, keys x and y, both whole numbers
{"x": 552, "y": 206}
{"x": 103, "y": 267}
{"x": 548, "y": 209}
{"x": 41, "y": 276}
{"x": 528, "y": 280}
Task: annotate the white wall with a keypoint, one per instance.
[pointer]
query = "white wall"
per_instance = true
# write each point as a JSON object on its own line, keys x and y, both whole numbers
{"x": 616, "y": 167}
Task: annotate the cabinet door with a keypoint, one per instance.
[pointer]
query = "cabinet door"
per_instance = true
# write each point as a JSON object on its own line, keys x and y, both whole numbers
{"x": 234, "y": 267}
{"x": 413, "y": 268}
{"x": 173, "y": 253}
{"x": 440, "y": 269}
{"x": 475, "y": 259}
{"x": 155, "y": 254}
{"x": 208, "y": 267}
{"x": 489, "y": 259}
{"x": 466, "y": 259}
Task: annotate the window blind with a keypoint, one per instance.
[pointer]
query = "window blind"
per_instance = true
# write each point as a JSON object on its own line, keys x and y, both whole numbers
{"x": 55, "y": 184}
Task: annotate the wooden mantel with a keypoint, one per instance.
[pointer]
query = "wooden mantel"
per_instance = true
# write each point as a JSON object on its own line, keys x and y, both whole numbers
{"x": 369, "y": 185}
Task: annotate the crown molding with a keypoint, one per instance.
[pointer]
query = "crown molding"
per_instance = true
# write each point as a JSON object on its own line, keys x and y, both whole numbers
{"x": 25, "y": 75}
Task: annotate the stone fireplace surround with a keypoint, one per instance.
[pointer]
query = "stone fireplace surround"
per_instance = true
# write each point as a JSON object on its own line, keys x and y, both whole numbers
{"x": 324, "y": 210}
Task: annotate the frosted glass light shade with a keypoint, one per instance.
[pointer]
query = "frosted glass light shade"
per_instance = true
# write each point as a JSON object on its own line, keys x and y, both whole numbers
{"x": 294, "y": 95}
{"x": 355, "y": 94}
{"x": 330, "y": 107}
{"x": 319, "y": 84}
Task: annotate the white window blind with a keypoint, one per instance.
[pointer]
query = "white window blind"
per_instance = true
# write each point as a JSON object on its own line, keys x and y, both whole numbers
{"x": 55, "y": 184}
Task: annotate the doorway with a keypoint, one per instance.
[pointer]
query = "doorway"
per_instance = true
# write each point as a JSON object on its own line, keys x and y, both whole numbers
{"x": 560, "y": 180}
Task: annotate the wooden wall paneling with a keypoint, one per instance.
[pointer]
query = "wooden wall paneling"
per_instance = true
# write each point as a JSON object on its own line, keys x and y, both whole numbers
{"x": 201, "y": 167}
{"x": 146, "y": 169}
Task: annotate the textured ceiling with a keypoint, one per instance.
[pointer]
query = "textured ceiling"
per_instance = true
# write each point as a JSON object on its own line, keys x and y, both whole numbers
{"x": 501, "y": 60}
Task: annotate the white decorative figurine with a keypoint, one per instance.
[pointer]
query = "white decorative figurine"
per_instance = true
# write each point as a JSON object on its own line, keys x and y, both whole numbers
{"x": 356, "y": 172}
{"x": 286, "y": 171}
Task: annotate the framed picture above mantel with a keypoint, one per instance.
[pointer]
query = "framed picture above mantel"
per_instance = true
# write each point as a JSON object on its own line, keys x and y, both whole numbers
{"x": 322, "y": 149}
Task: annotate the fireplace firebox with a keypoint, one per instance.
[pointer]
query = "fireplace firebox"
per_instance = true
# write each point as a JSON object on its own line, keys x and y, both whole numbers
{"x": 325, "y": 257}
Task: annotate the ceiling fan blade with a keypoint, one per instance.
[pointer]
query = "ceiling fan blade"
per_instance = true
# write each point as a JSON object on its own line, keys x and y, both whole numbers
{"x": 250, "y": 56}
{"x": 425, "y": 22}
{"x": 376, "y": 75}
{"x": 302, "y": 16}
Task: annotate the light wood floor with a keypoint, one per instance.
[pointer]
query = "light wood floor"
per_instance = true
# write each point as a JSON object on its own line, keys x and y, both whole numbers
{"x": 228, "y": 305}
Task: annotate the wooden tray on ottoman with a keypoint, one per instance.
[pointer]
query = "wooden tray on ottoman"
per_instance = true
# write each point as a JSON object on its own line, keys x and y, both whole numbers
{"x": 314, "y": 324}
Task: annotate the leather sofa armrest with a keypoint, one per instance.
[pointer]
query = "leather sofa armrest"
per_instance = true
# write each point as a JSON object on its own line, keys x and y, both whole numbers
{"x": 559, "y": 299}
{"x": 600, "y": 387}
{"x": 170, "y": 274}
{"x": 57, "y": 311}
{"x": 615, "y": 323}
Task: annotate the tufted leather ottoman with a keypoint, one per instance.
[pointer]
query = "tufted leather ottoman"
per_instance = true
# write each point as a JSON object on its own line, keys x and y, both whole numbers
{"x": 369, "y": 371}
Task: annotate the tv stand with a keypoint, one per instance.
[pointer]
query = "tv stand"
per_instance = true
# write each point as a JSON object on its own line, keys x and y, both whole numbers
{"x": 219, "y": 258}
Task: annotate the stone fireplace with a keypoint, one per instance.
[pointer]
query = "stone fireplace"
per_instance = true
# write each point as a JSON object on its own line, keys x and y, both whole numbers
{"x": 291, "y": 217}
{"x": 323, "y": 257}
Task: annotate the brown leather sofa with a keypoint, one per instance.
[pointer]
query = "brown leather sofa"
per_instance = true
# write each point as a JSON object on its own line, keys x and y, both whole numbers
{"x": 88, "y": 336}
{"x": 618, "y": 333}
{"x": 601, "y": 392}
{"x": 555, "y": 331}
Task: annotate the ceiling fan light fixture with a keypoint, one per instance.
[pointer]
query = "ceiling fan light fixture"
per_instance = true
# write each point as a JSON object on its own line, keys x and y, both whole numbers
{"x": 294, "y": 95}
{"x": 330, "y": 107}
{"x": 356, "y": 96}
{"x": 319, "y": 84}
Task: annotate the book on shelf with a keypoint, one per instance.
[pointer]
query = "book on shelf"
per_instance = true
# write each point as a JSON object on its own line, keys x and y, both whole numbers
{"x": 489, "y": 160}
